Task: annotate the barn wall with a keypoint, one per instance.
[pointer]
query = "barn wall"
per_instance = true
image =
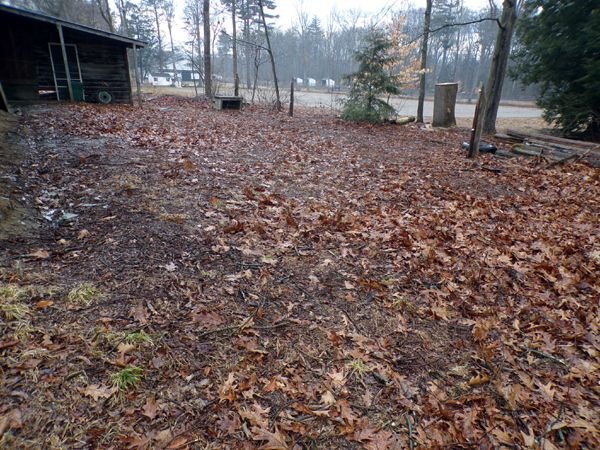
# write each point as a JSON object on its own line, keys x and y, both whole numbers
{"x": 104, "y": 66}
{"x": 25, "y": 65}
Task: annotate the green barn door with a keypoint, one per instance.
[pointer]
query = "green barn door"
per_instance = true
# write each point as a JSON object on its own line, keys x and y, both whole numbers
{"x": 60, "y": 74}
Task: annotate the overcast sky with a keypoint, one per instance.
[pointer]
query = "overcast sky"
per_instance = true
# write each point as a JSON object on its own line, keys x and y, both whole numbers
{"x": 288, "y": 9}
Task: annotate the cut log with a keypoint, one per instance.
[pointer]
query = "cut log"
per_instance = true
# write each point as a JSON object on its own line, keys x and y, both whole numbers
{"x": 403, "y": 120}
{"x": 444, "y": 104}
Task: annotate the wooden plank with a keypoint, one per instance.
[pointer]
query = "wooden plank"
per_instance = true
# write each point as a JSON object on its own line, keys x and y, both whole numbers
{"x": 65, "y": 61}
{"x": 509, "y": 139}
{"x": 547, "y": 138}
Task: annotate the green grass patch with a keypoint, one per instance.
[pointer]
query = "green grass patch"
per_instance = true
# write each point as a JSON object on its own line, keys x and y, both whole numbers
{"x": 11, "y": 307}
{"x": 138, "y": 337}
{"x": 358, "y": 368}
{"x": 127, "y": 378}
{"x": 84, "y": 294}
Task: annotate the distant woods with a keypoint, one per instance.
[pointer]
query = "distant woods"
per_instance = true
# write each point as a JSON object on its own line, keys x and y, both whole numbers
{"x": 320, "y": 52}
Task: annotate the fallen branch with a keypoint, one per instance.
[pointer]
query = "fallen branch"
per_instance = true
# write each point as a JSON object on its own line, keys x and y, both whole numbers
{"x": 574, "y": 157}
{"x": 541, "y": 354}
{"x": 411, "y": 441}
{"x": 247, "y": 323}
{"x": 492, "y": 169}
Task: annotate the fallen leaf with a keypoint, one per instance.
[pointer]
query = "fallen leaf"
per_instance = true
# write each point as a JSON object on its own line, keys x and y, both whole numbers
{"x": 338, "y": 377}
{"x": 40, "y": 254}
{"x": 98, "y": 391}
{"x": 140, "y": 313}
{"x": 12, "y": 420}
{"x": 478, "y": 380}
{"x": 268, "y": 260}
{"x": 164, "y": 437}
{"x": 440, "y": 312}
{"x": 122, "y": 349}
{"x": 275, "y": 441}
{"x": 171, "y": 267}
{"x": 178, "y": 442}
{"x": 43, "y": 304}
{"x": 150, "y": 408}
{"x": 227, "y": 391}
{"x": 327, "y": 398}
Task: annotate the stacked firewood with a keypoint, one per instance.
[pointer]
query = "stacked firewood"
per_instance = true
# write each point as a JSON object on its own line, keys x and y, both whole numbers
{"x": 551, "y": 149}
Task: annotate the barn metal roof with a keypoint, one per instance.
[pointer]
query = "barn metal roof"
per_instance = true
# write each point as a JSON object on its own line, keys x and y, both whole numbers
{"x": 5, "y": 9}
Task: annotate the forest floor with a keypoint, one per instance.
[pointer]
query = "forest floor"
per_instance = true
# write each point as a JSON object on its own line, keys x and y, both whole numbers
{"x": 511, "y": 113}
{"x": 237, "y": 280}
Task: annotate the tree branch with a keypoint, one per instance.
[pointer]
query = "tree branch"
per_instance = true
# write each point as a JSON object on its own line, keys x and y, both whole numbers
{"x": 241, "y": 41}
{"x": 459, "y": 24}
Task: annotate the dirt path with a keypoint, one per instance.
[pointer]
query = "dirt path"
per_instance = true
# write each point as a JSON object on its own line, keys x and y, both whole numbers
{"x": 231, "y": 280}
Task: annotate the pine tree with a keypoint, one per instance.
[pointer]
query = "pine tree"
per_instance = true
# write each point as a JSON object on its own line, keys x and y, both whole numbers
{"x": 372, "y": 80}
{"x": 560, "y": 51}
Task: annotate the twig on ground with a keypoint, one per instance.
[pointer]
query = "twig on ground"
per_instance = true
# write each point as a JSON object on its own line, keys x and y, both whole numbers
{"x": 411, "y": 442}
{"x": 356, "y": 327}
{"x": 544, "y": 355}
{"x": 245, "y": 324}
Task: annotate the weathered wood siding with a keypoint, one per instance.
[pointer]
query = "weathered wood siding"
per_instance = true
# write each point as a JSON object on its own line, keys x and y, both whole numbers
{"x": 104, "y": 66}
{"x": 25, "y": 65}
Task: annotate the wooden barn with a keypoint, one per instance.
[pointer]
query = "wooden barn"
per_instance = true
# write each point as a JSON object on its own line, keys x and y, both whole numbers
{"x": 44, "y": 58}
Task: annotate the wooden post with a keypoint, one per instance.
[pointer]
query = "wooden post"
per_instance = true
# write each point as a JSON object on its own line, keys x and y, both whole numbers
{"x": 444, "y": 104}
{"x": 477, "y": 124}
{"x": 292, "y": 99}
{"x": 65, "y": 61}
{"x": 137, "y": 76}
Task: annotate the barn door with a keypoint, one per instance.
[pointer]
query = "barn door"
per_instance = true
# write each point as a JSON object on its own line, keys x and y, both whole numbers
{"x": 60, "y": 74}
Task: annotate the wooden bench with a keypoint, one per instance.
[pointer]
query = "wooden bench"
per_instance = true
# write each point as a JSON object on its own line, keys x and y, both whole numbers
{"x": 227, "y": 102}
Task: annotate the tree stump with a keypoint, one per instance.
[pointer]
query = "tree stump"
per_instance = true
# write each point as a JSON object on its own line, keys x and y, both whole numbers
{"x": 444, "y": 104}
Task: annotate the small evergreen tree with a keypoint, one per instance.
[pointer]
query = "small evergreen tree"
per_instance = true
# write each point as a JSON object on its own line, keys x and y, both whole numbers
{"x": 560, "y": 51}
{"x": 372, "y": 80}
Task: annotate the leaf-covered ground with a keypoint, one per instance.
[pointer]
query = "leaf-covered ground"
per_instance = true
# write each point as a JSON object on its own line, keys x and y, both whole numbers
{"x": 236, "y": 280}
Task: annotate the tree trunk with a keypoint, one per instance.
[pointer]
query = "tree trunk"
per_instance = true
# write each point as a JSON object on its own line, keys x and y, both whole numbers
{"x": 424, "y": 45}
{"x": 207, "y": 58}
{"x": 236, "y": 79}
{"x": 161, "y": 63}
{"x": 270, "y": 50}
{"x": 475, "y": 81}
{"x": 106, "y": 14}
{"x": 291, "y": 112}
{"x": 499, "y": 63}
{"x": 247, "y": 52}
{"x": 170, "y": 28}
{"x": 444, "y": 104}
{"x": 123, "y": 17}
